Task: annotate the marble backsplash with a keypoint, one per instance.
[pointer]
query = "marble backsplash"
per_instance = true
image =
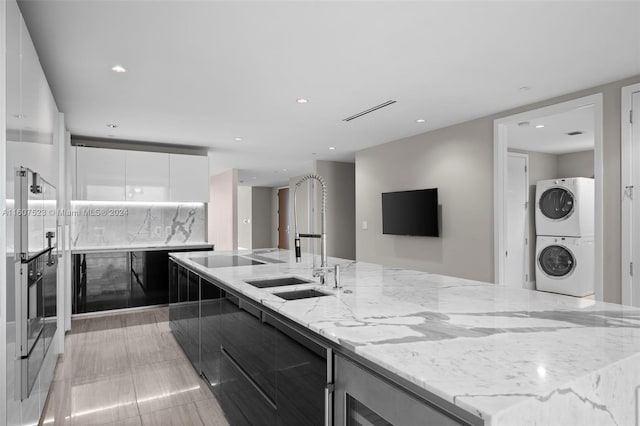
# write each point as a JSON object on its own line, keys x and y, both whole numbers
{"x": 135, "y": 224}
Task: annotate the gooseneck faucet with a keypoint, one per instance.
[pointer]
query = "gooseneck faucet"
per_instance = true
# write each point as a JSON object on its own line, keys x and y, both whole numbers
{"x": 322, "y": 235}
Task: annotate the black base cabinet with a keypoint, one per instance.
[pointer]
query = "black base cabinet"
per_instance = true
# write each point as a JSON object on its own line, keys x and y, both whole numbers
{"x": 265, "y": 372}
{"x": 262, "y": 371}
{"x": 105, "y": 281}
{"x": 184, "y": 311}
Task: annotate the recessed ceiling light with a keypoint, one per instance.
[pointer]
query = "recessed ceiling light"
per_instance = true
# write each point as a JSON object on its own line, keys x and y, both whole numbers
{"x": 524, "y": 89}
{"x": 112, "y": 125}
{"x": 524, "y": 124}
{"x": 301, "y": 101}
{"x": 21, "y": 116}
{"x": 237, "y": 139}
{"x": 118, "y": 68}
{"x": 420, "y": 120}
{"x": 284, "y": 170}
{"x": 253, "y": 177}
{"x": 539, "y": 126}
{"x": 332, "y": 148}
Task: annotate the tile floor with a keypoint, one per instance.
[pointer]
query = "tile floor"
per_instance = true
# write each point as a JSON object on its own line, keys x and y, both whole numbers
{"x": 128, "y": 370}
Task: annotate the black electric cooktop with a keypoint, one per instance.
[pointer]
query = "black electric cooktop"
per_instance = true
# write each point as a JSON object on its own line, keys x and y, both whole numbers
{"x": 225, "y": 261}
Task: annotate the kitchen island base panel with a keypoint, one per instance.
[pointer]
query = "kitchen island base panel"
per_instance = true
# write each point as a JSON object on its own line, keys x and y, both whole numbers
{"x": 262, "y": 369}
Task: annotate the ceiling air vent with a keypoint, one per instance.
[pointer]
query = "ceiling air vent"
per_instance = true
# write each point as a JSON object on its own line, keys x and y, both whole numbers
{"x": 576, "y": 133}
{"x": 375, "y": 108}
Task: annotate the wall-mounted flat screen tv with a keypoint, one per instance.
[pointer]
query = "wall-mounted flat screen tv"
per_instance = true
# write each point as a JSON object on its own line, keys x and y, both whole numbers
{"x": 410, "y": 213}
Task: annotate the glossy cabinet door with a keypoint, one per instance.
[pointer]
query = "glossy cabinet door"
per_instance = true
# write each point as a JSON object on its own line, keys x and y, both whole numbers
{"x": 189, "y": 178}
{"x": 238, "y": 358}
{"x": 13, "y": 67}
{"x": 38, "y": 108}
{"x": 262, "y": 371}
{"x": 301, "y": 367}
{"x": 100, "y": 174}
{"x": 179, "y": 309}
{"x": 211, "y": 299}
{"x": 122, "y": 175}
{"x": 31, "y": 109}
{"x": 192, "y": 319}
{"x": 147, "y": 176}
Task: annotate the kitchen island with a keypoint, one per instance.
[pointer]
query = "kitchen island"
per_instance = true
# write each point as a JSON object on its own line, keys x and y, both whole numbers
{"x": 481, "y": 353}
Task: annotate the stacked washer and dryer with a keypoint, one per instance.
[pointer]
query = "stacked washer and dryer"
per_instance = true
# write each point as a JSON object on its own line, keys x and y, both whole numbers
{"x": 565, "y": 210}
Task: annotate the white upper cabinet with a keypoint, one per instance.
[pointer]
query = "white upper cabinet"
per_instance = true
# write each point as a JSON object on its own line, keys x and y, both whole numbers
{"x": 147, "y": 176}
{"x": 121, "y": 175}
{"x": 31, "y": 112}
{"x": 38, "y": 108}
{"x": 100, "y": 174}
{"x": 189, "y": 178}
{"x": 13, "y": 67}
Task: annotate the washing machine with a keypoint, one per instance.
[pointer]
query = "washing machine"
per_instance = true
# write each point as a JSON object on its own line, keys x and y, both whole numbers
{"x": 565, "y": 207}
{"x": 565, "y": 265}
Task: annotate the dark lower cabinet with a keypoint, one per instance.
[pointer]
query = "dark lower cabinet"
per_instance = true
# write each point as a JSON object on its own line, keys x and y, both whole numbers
{"x": 262, "y": 371}
{"x": 116, "y": 280}
{"x": 265, "y": 372}
{"x": 184, "y": 312}
{"x": 301, "y": 376}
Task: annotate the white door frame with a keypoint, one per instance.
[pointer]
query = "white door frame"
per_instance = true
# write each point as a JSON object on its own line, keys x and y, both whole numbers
{"x": 526, "y": 278}
{"x": 499, "y": 180}
{"x": 626, "y": 183}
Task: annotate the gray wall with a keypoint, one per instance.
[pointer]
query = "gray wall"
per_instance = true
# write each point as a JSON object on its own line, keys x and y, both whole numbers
{"x": 576, "y": 164}
{"x": 255, "y": 217}
{"x": 459, "y": 160}
{"x": 261, "y": 217}
{"x": 307, "y": 245}
{"x": 340, "y": 179}
{"x": 341, "y": 207}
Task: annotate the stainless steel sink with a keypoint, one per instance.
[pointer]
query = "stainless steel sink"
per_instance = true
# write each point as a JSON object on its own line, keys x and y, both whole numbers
{"x": 301, "y": 294}
{"x": 277, "y": 282}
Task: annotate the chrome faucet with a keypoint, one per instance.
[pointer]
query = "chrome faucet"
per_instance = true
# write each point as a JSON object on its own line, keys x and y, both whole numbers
{"x": 322, "y": 271}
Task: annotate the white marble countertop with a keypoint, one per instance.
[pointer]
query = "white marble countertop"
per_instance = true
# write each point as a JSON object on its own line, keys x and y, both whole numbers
{"x": 510, "y": 356}
{"x": 138, "y": 247}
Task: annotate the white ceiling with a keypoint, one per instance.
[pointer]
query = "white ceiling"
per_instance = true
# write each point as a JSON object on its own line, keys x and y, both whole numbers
{"x": 553, "y": 138}
{"x": 205, "y": 72}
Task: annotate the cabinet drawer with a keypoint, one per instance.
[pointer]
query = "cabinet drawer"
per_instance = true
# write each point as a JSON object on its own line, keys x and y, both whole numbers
{"x": 362, "y": 398}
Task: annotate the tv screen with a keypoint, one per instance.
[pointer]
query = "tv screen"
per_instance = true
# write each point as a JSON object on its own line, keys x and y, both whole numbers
{"x": 410, "y": 213}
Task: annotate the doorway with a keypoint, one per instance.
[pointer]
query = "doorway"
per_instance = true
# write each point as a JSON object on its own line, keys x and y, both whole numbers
{"x": 630, "y": 155}
{"x": 284, "y": 226}
{"x": 561, "y": 141}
